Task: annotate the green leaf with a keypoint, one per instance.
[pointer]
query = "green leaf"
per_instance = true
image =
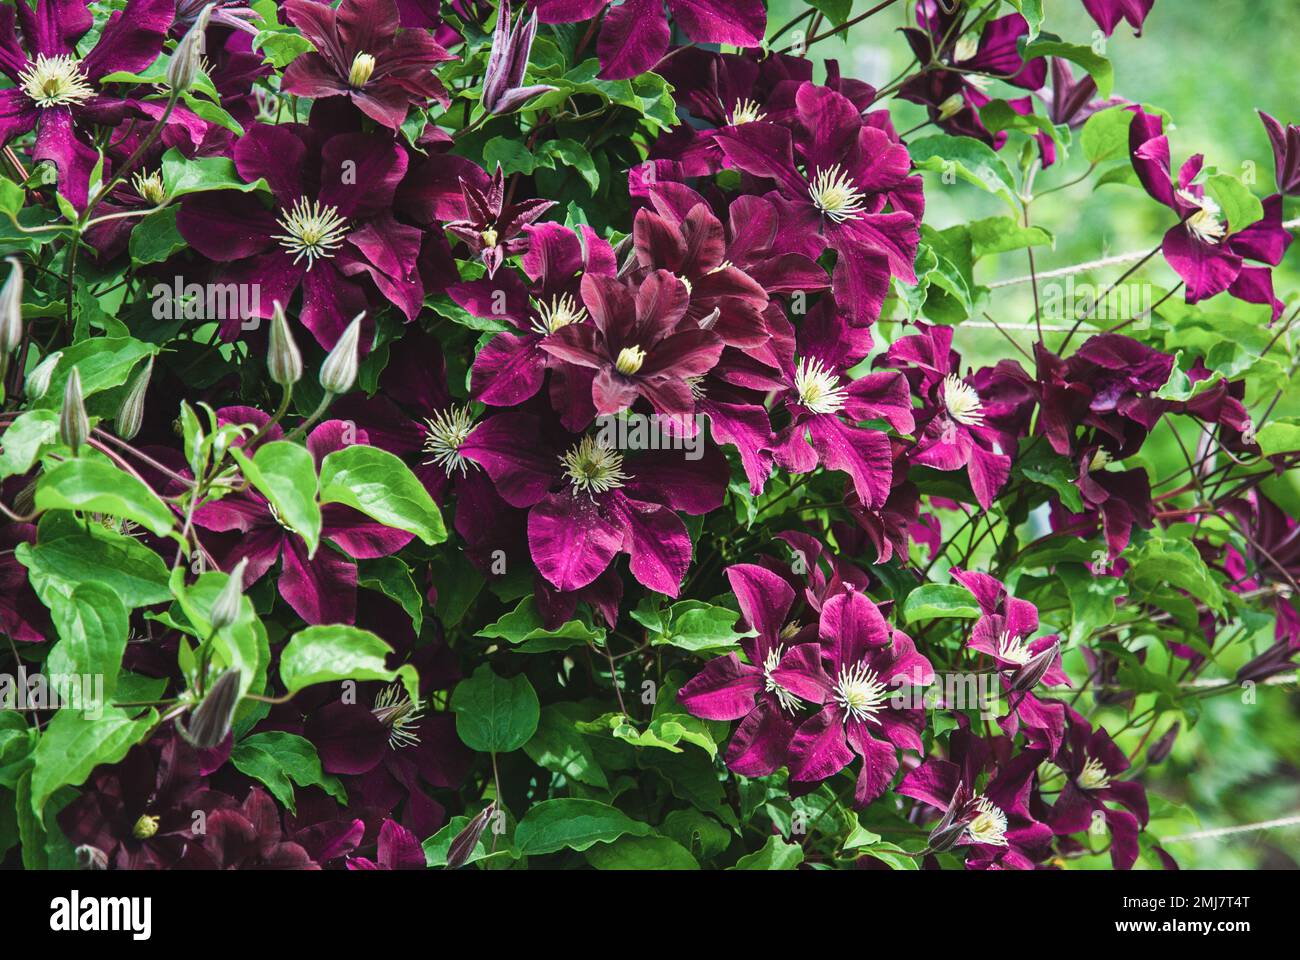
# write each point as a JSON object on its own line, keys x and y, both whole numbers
{"x": 1092, "y": 599}
{"x": 382, "y": 487}
{"x": 559, "y": 747}
{"x": 96, "y": 486}
{"x": 92, "y": 625}
{"x": 641, "y": 853}
{"x": 285, "y": 474}
{"x": 391, "y": 577}
{"x": 574, "y": 155}
{"x": 837, "y": 11}
{"x": 1277, "y": 436}
{"x": 512, "y": 155}
{"x": 701, "y": 628}
{"x": 493, "y": 714}
{"x": 67, "y": 554}
{"x": 933, "y": 601}
{"x": 103, "y": 362}
{"x": 339, "y": 652}
{"x": 573, "y": 824}
{"x": 775, "y": 854}
{"x": 74, "y": 744}
{"x": 182, "y": 175}
{"x": 523, "y": 628}
{"x": 276, "y": 758}
{"x": 1240, "y": 207}
{"x": 1164, "y": 560}
{"x": 1098, "y": 67}
{"x": 156, "y": 238}
{"x": 969, "y": 159}
{"x": 22, "y": 442}
{"x": 1000, "y": 234}
{"x": 1105, "y": 135}
{"x": 239, "y": 645}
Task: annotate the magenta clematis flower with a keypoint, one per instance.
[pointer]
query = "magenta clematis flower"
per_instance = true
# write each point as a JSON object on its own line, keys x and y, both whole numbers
{"x": 512, "y": 366}
{"x": 1209, "y": 253}
{"x": 851, "y": 171}
{"x": 635, "y": 34}
{"x": 826, "y": 406}
{"x": 954, "y": 97}
{"x": 327, "y": 232}
{"x": 321, "y": 587}
{"x": 1286, "y": 154}
{"x": 1108, "y": 13}
{"x": 492, "y": 228}
{"x": 1004, "y": 632}
{"x": 604, "y": 505}
{"x": 361, "y": 54}
{"x": 1092, "y": 764}
{"x": 869, "y": 667}
{"x": 1070, "y": 103}
{"x": 970, "y": 422}
{"x": 641, "y": 343}
{"x": 247, "y": 837}
{"x": 731, "y": 689}
{"x": 55, "y": 89}
{"x": 1000, "y": 831}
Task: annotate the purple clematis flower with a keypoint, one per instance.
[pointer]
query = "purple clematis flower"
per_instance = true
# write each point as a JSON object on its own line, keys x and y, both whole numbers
{"x": 1209, "y": 253}
{"x": 328, "y": 229}
{"x": 361, "y": 54}
{"x": 321, "y": 587}
{"x": 825, "y": 405}
{"x": 1108, "y": 13}
{"x": 731, "y": 689}
{"x": 22, "y": 615}
{"x": 249, "y": 837}
{"x": 398, "y": 849}
{"x": 635, "y": 34}
{"x": 641, "y": 343}
{"x": 970, "y": 422}
{"x": 1000, "y": 832}
{"x": 1092, "y": 764}
{"x": 851, "y": 171}
{"x": 1004, "y": 633}
{"x": 55, "y": 88}
{"x": 492, "y": 228}
{"x": 1286, "y": 154}
{"x": 512, "y": 366}
{"x": 1070, "y": 103}
{"x": 868, "y": 666}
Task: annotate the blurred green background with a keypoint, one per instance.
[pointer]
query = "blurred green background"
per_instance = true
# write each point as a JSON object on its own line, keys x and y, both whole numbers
{"x": 1210, "y": 64}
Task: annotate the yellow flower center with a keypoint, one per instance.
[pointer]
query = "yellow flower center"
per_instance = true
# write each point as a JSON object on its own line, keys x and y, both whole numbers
{"x": 145, "y": 827}
{"x": 311, "y": 230}
{"x": 629, "y": 360}
{"x": 55, "y": 81}
{"x": 1206, "y": 224}
{"x": 363, "y": 65}
{"x": 446, "y": 432}
{"x": 962, "y": 401}
{"x": 819, "y": 390}
{"x": 560, "y": 312}
{"x": 593, "y": 467}
{"x": 835, "y": 194}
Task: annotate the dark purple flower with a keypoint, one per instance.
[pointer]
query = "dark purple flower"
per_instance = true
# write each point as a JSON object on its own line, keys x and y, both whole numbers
{"x": 850, "y": 171}
{"x": 249, "y": 837}
{"x": 869, "y": 668}
{"x": 362, "y": 54}
{"x": 56, "y": 89}
{"x": 22, "y": 615}
{"x": 330, "y": 228}
{"x": 398, "y": 849}
{"x": 1209, "y": 253}
{"x": 491, "y": 227}
{"x": 731, "y": 689}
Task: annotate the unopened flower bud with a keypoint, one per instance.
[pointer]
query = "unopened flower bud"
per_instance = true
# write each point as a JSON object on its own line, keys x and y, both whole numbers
{"x": 25, "y": 500}
{"x": 11, "y": 308}
{"x": 225, "y": 609}
{"x": 284, "y": 361}
{"x": 145, "y": 827}
{"x": 463, "y": 846}
{"x": 339, "y": 371}
{"x": 74, "y": 425}
{"x": 38, "y": 381}
{"x": 184, "y": 65}
{"x": 1159, "y": 751}
{"x": 948, "y": 833}
{"x": 1029, "y": 676}
{"x": 130, "y": 415}
{"x": 90, "y": 858}
{"x": 211, "y": 719}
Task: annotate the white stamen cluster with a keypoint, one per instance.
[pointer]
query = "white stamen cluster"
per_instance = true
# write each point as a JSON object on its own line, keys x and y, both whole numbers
{"x": 55, "y": 81}
{"x": 593, "y": 467}
{"x": 989, "y": 825}
{"x": 395, "y": 709}
{"x": 745, "y": 111}
{"x": 363, "y": 66}
{"x": 859, "y": 691}
{"x": 1206, "y": 224}
{"x": 560, "y": 312}
{"x": 445, "y": 433}
{"x": 784, "y": 697}
{"x": 963, "y": 402}
{"x": 311, "y": 230}
{"x": 1013, "y": 649}
{"x": 819, "y": 390}
{"x": 629, "y": 360}
{"x": 1093, "y": 776}
{"x": 835, "y": 194}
